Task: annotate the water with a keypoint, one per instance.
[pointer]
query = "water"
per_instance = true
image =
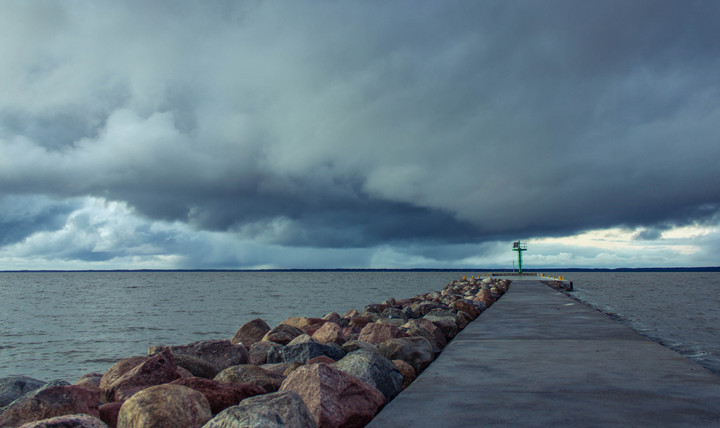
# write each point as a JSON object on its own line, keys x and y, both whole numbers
{"x": 62, "y": 325}
{"x": 680, "y": 310}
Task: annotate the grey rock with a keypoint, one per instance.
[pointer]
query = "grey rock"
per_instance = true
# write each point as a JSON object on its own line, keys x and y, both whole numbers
{"x": 416, "y": 351}
{"x": 374, "y": 369}
{"x": 304, "y": 352}
{"x": 221, "y": 354}
{"x": 276, "y": 410}
{"x": 14, "y": 387}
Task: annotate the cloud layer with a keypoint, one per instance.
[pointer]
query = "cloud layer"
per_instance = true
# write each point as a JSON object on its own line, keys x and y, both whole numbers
{"x": 356, "y": 127}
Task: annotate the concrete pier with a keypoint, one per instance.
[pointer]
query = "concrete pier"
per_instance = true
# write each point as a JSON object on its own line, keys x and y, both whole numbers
{"x": 539, "y": 358}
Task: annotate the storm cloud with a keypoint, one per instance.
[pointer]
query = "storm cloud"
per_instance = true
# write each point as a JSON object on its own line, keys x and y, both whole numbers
{"x": 356, "y": 125}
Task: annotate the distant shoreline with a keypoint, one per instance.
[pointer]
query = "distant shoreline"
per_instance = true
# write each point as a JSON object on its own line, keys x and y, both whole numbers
{"x": 549, "y": 269}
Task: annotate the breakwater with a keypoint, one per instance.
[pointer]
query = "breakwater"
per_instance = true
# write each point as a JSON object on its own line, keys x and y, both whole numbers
{"x": 338, "y": 370}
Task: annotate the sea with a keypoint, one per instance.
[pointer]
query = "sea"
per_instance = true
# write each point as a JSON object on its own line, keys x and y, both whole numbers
{"x": 61, "y": 325}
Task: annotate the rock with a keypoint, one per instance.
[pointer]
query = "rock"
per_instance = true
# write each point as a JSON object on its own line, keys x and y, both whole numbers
{"x": 276, "y": 410}
{"x": 438, "y": 337}
{"x": 251, "y": 332}
{"x": 14, "y": 387}
{"x": 378, "y": 333}
{"x": 155, "y": 371}
{"x": 259, "y": 351}
{"x": 354, "y": 345}
{"x": 50, "y": 401}
{"x": 335, "y": 398}
{"x": 68, "y": 421}
{"x": 282, "y": 334}
{"x": 302, "y": 322}
{"x": 360, "y": 321}
{"x": 373, "y": 369}
{"x": 109, "y": 413}
{"x": 303, "y": 338}
{"x": 467, "y": 307}
{"x": 330, "y": 332}
{"x": 248, "y": 373}
{"x": 293, "y": 366}
{"x": 195, "y": 366}
{"x": 416, "y": 351}
{"x": 446, "y": 321}
{"x": 91, "y": 381}
{"x": 423, "y": 308}
{"x": 163, "y": 406}
{"x": 394, "y": 313}
{"x": 406, "y": 370}
{"x": 118, "y": 369}
{"x": 332, "y": 317}
{"x": 304, "y": 352}
{"x": 350, "y": 313}
{"x": 277, "y": 368}
{"x": 318, "y": 360}
{"x": 221, "y": 354}
{"x": 375, "y": 308}
{"x": 221, "y": 395}
{"x": 463, "y": 319}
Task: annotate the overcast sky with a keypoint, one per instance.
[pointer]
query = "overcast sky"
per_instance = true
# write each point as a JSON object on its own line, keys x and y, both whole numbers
{"x": 324, "y": 134}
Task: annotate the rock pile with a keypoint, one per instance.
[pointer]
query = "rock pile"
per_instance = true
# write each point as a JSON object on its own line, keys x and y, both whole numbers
{"x": 335, "y": 371}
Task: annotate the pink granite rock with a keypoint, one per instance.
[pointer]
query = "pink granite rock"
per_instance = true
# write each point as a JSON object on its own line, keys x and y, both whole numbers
{"x": 251, "y": 332}
{"x": 330, "y": 332}
{"x": 282, "y": 334}
{"x": 68, "y": 421}
{"x": 118, "y": 369}
{"x": 467, "y": 307}
{"x": 378, "y": 333}
{"x": 221, "y": 395}
{"x": 335, "y": 399}
{"x": 48, "y": 402}
{"x": 157, "y": 370}
{"x": 109, "y": 413}
{"x": 165, "y": 406}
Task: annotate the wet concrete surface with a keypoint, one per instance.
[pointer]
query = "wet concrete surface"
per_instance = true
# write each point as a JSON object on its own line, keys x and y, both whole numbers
{"x": 540, "y": 358}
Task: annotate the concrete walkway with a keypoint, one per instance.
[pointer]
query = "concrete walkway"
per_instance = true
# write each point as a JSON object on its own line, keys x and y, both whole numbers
{"x": 539, "y": 358}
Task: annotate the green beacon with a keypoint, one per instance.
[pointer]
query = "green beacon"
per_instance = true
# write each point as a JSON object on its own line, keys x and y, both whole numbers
{"x": 519, "y": 247}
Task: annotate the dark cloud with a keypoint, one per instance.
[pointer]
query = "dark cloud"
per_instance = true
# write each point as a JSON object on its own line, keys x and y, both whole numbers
{"x": 361, "y": 124}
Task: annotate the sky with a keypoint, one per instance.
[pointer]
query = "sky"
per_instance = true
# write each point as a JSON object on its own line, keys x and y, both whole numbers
{"x": 359, "y": 134}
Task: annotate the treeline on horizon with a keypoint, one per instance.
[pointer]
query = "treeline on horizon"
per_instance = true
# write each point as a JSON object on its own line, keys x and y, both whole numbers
{"x": 542, "y": 270}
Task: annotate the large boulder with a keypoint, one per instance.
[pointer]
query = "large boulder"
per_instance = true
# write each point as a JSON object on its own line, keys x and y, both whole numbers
{"x": 304, "y": 352}
{"x": 68, "y": 421}
{"x": 50, "y": 401}
{"x": 378, "y": 333}
{"x": 14, "y": 387}
{"x": 195, "y": 366}
{"x": 221, "y": 395}
{"x": 335, "y": 399}
{"x": 155, "y": 371}
{"x": 248, "y": 373}
{"x": 220, "y": 353}
{"x": 330, "y": 332}
{"x": 467, "y": 307}
{"x": 438, "y": 337}
{"x": 251, "y": 332}
{"x": 118, "y": 369}
{"x": 282, "y": 334}
{"x": 447, "y": 322}
{"x": 354, "y": 345}
{"x": 109, "y": 413}
{"x": 90, "y": 381}
{"x": 375, "y": 370}
{"x": 165, "y": 406}
{"x": 259, "y": 351}
{"x": 416, "y": 351}
{"x": 276, "y": 410}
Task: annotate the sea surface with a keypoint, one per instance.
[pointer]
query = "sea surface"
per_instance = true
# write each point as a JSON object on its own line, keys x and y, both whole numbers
{"x": 60, "y": 325}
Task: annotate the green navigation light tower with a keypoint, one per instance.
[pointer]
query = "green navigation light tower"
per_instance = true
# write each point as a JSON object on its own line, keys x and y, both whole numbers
{"x": 519, "y": 247}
